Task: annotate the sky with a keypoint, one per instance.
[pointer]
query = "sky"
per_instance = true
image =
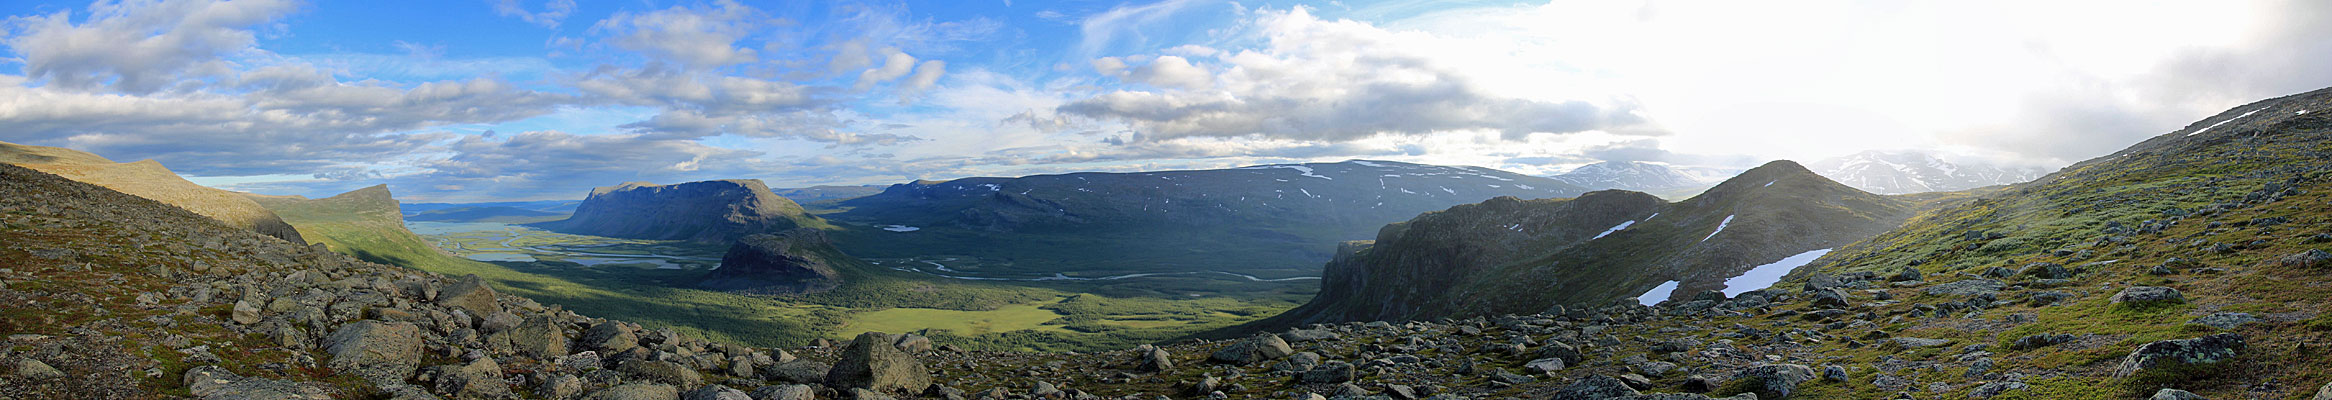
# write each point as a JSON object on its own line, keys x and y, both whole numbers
{"x": 502, "y": 100}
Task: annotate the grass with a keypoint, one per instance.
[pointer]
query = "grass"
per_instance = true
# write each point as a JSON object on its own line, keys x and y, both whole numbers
{"x": 1017, "y": 317}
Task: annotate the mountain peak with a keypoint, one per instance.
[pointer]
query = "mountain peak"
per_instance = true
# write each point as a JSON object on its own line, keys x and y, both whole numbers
{"x": 1911, "y": 171}
{"x": 1630, "y": 175}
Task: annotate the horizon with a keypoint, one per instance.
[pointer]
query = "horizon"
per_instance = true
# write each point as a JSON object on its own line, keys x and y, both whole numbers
{"x": 535, "y": 100}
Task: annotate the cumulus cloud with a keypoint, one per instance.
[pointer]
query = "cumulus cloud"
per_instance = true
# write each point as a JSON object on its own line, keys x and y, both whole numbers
{"x": 1329, "y": 80}
{"x": 697, "y": 37}
{"x": 895, "y": 65}
{"x": 139, "y": 46}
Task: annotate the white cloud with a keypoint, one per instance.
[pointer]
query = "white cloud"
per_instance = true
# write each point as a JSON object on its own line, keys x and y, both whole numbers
{"x": 895, "y": 65}
{"x": 554, "y": 11}
{"x": 139, "y": 46}
{"x": 697, "y": 37}
{"x": 926, "y": 76}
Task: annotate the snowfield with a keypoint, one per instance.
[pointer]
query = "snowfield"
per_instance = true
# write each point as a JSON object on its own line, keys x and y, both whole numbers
{"x": 1720, "y": 227}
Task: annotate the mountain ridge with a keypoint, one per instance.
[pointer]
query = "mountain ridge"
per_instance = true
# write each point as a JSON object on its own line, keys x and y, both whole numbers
{"x": 715, "y": 211}
{"x": 149, "y": 179}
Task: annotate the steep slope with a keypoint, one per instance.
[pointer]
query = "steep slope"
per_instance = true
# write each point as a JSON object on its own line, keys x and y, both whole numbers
{"x": 719, "y": 211}
{"x": 363, "y": 223}
{"x": 1629, "y": 175}
{"x": 1899, "y": 172}
{"x": 149, "y": 179}
{"x": 790, "y": 262}
{"x": 1506, "y": 256}
{"x": 1286, "y": 217}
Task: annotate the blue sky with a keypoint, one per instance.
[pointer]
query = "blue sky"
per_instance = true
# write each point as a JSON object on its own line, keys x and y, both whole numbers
{"x": 478, "y": 100}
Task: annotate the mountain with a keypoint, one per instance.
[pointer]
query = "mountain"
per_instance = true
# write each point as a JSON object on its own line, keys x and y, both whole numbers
{"x": 149, "y": 179}
{"x": 560, "y": 207}
{"x": 720, "y": 211}
{"x": 1514, "y": 256}
{"x": 1630, "y": 175}
{"x": 1899, "y": 172}
{"x": 1285, "y": 217}
{"x": 790, "y": 262}
{"x": 499, "y": 214}
{"x": 363, "y": 223}
{"x": 813, "y": 194}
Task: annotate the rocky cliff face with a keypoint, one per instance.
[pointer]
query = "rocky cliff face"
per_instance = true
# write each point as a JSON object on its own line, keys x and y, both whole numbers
{"x": 1513, "y": 256}
{"x": 719, "y": 211}
{"x": 790, "y": 262}
{"x": 149, "y": 179}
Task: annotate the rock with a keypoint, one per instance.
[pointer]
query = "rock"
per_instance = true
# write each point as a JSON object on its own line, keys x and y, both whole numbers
{"x": 1912, "y": 342}
{"x": 2161, "y": 270}
{"x": 1832, "y": 298}
{"x": 785, "y": 392}
{"x": 638, "y": 391}
{"x": 470, "y": 294}
{"x": 1908, "y": 274}
{"x": 560, "y": 387}
{"x": 1594, "y": 387}
{"x": 246, "y": 313}
{"x": 498, "y": 321}
{"x": 1543, "y": 366}
{"x": 539, "y": 337}
{"x": 2306, "y": 259}
{"x": 663, "y": 371}
{"x": 384, "y": 353}
{"x": 1697, "y": 384}
{"x": 1331, "y": 372}
{"x": 1555, "y": 349}
{"x": 2193, "y": 352}
{"x": 610, "y": 338}
{"x": 2036, "y": 341}
{"x": 30, "y": 369}
{"x": 2046, "y": 270}
{"x": 1307, "y": 335}
{"x": 478, "y": 379}
{"x": 2140, "y": 296}
{"x": 1834, "y": 373}
{"x": 1299, "y": 362}
{"x": 797, "y": 371}
{"x": 1638, "y": 382}
{"x": 1252, "y": 350}
{"x": 1044, "y": 389}
{"x": 1891, "y": 382}
{"x": 715, "y": 392}
{"x": 1155, "y": 360}
{"x": 2324, "y": 393}
{"x": 913, "y": 343}
{"x": 2174, "y": 394}
{"x": 863, "y": 394}
{"x": 2225, "y": 320}
{"x": 873, "y": 363}
{"x": 213, "y": 383}
{"x": 1969, "y": 287}
{"x": 1990, "y": 390}
{"x": 1775, "y": 380}
{"x": 1205, "y": 385}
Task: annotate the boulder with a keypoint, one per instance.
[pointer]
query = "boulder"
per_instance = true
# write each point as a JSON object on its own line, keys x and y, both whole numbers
{"x": 2187, "y": 352}
{"x": 560, "y": 387}
{"x": 1995, "y": 389}
{"x": 245, "y": 313}
{"x": 1331, "y": 372}
{"x": 2046, "y": 270}
{"x": 872, "y": 362}
{"x": 478, "y": 379}
{"x": 2306, "y": 259}
{"x": 2225, "y": 320}
{"x": 1775, "y": 380}
{"x": 1307, "y": 335}
{"x": 2174, "y": 394}
{"x": 1595, "y": 387}
{"x": 213, "y": 383}
{"x": 610, "y": 338}
{"x": 384, "y": 353}
{"x": 1832, "y": 298}
{"x": 663, "y": 371}
{"x": 1558, "y": 350}
{"x": 1912, "y": 342}
{"x": 1969, "y": 287}
{"x": 1543, "y": 366}
{"x": 785, "y": 392}
{"x": 1907, "y": 275}
{"x": 913, "y": 343}
{"x": 797, "y": 371}
{"x": 539, "y": 337}
{"x": 638, "y": 391}
{"x": 2036, "y": 341}
{"x": 34, "y": 370}
{"x": 1154, "y": 360}
{"x": 2141, "y": 296}
{"x": 470, "y": 294}
{"x": 1264, "y": 347}
{"x": 2324, "y": 393}
{"x": 715, "y": 392}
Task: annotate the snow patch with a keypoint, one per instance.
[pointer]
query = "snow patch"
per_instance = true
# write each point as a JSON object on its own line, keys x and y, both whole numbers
{"x": 1649, "y": 219}
{"x": 1306, "y": 171}
{"x": 1368, "y": 164}
{"x": 1770, "y": 183}
{"x": 1766, "y": 275}
{"x": 1658, "y": 294}
{"x": 1446, "y": 189}
{"x": 1525, "y": 187}
{"x": 1720, "y": 228}
{"x": 992, "y": 187}
{"x": 2208, "y": 128}
{"x": 901, "y": 228}
{"x": 1622, "y": 225}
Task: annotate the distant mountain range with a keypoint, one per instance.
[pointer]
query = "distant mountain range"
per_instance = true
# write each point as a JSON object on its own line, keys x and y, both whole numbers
{"x": 1283, "y": 216}
{"x": 719, "y": 211}
{"x": 1899, "y": 172}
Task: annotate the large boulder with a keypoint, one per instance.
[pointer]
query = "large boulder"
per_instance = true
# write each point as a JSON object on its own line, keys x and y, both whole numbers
{"x": 872, "y": 362}
{"x": 1965, "y": 288}
{"x": 610, "y": 338}
{"x": 1774, "y": 380}
{"x": 715, "y": 392}
{"x": 478, "y": 379}
{"x": 2181, "y": 352}
{"x": 384, "y": 353}
{"x": 1264, "y": 347}
{"x": 785, "y": 392}
{"x": 638, "y": 391}
{"x": 539, "y": 337}
{"x": 1595, "y": 387}
{"x": 1153, "y": 360}
{"x": 213, "y": 383}
{"x": 2141, "y": 296}
{"x": 470, "y": 294}
{"x": 663, "y": 371}
{"x": 796, "y": 371}
{"x": 2306, "y": 259}
{"x": 2324, "y": 393}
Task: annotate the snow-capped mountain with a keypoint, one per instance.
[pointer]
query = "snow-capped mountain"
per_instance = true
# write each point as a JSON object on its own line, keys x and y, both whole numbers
{"x": 1639, "y": 176}
{"x": 1899, "y": 172}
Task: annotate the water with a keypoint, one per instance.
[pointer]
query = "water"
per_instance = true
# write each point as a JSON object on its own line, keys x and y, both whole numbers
{"x": 442, "y": 228}
{"x": 504, "y": 257}
{"x": 597, "y": 261}
{"x": 1766, "y": 275}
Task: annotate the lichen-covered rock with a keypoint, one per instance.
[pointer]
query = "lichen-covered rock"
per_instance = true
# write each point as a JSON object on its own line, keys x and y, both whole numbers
{"x": 638, "y": 391}
{"x": 1264, "y": 347}
{"x": 796, "y": 371}
{"x": 212, "y": 383}
{"x": 872, "y": 362}
{"x": 2140, "y": 296}
{"x": 785, "y": 392}
{"x": 481, "y": 378}
{"x": 539, "y": 337}
{"x": 2181, "y": 352}
{"x": 384, "y": 353}
{"x": 1153, "y": 360}
{"x": 610, "y": 338}
{"x": 715, "y": 392}
{"x": 30, "y": 369}
{"x": 470, "y": 294}
{"x": 1775, "y": 380}
{"x": 663, "y": 371}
